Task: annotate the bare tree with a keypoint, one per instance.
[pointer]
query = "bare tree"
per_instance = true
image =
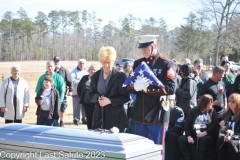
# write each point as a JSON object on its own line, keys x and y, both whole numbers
{"x": 222, "y": 12}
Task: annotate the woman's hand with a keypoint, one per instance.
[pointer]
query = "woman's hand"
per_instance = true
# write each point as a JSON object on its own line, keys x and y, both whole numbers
{"x": 103, "y": 101}
{"x": 222, "y": 123}
{"x": 216, "y": 103}
{"x": 201, "y": 134}
{"x": 24, "y": 109}
{"x": 3, "y": 109}
{"x": 227, "y": 138}
{"x": 190, "y": 140}
{"x": 40, "y": 102}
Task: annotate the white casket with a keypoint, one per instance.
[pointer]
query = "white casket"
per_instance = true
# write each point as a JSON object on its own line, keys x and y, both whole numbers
{"x": 24, "y": 141}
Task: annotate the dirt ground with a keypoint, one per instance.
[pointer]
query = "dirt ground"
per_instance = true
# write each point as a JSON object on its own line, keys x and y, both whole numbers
{"x": 31, "y": 71}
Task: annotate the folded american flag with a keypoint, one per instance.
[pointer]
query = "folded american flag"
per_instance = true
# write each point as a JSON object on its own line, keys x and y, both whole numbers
{"x": 143, "y": 70}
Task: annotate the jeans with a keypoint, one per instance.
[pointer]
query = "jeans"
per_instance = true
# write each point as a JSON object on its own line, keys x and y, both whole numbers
{"x": 43, "y": 119}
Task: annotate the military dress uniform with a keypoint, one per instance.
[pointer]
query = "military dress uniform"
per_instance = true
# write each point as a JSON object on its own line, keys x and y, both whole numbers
{"x": 148, "y": 114}
{"x": 145, "y": 102}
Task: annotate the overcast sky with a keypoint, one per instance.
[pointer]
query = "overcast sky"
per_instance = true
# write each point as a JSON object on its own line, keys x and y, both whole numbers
{"x": 172, "y": 11}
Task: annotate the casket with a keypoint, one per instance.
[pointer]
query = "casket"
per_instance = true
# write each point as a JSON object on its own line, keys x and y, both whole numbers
{"x": 24, "y": 141}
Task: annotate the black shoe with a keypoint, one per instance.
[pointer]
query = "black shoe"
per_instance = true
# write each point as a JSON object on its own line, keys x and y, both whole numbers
{"x": 61, "y": 125}
{"x": 76, "y": 122}
{"x": 84, "y": 122}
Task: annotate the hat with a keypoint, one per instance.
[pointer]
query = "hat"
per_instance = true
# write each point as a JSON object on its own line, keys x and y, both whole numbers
{"x": 145, "y": 40}
{"x": 56, "y": 58}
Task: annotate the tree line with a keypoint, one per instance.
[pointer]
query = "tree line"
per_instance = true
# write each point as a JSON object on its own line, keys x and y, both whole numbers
{"x": 209, "y": 31}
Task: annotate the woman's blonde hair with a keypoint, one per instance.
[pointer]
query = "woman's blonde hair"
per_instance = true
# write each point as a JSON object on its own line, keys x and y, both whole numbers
{"x": 92, "y": 66}
{"x": 105, "y": 52}
{"x": 235, "y": 97}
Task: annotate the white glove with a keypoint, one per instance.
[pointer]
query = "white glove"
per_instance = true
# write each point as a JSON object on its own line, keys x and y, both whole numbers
{"x": 141, "y": 84}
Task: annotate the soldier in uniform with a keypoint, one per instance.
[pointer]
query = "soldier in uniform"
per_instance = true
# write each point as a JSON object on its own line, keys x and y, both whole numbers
{"x": 68, "y": 82}
{"x": 164, "y": 70}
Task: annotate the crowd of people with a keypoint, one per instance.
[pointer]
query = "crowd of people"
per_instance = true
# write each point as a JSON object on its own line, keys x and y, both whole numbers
{"x": 185, "y": 115}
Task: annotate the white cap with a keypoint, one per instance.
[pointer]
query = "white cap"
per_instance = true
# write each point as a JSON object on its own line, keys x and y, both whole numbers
{"x": 82, "y": 60}
{"x": 146, "y": 40}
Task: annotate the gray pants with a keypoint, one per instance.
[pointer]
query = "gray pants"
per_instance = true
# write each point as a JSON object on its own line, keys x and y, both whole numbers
{"x": 78, "y": 111}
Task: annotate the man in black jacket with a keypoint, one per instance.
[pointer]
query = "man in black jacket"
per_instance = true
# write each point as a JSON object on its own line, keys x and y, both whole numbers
{"x": 68, "y": 82}
{"x": 216, "y": 88}
{"x": 148, "y": 96}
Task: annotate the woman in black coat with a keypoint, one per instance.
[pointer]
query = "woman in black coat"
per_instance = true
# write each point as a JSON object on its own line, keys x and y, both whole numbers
{"x": 107, "y": 93}
{"x": 228, "y": 147}
{"x": 187, "y": 91}
{"x": 200, "y": 128}
{"x": 83, "y": 93}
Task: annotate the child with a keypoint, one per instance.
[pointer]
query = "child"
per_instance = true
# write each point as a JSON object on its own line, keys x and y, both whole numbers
{"x": 48, "y": 102}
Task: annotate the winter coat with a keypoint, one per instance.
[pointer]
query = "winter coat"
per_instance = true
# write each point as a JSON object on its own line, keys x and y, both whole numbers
{"x": 187, "y": 93}
{"x": 66, "y": 77}
{"x": 114, "y": 113}
{"x": 83, "y": 90}
{"x": 23, "y": 98}
{"x": 211, "y": 129}
{"x": 227, "y": 116}
{"x": 176, "y": 121}
{"x": 177, "y": 81}
{"x": 55, "y": 104}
